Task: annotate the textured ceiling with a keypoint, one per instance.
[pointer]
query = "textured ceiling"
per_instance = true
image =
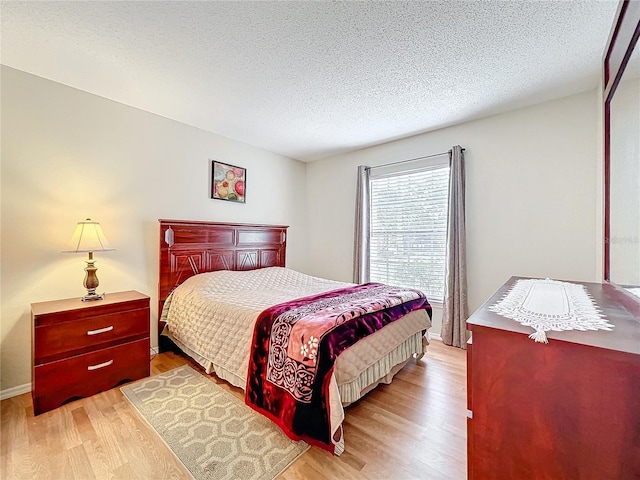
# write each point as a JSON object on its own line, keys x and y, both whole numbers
{"x": 311, "y": 79}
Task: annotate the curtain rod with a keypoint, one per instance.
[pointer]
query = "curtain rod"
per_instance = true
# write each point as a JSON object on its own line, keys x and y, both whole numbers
{"x": 411, "y": 160}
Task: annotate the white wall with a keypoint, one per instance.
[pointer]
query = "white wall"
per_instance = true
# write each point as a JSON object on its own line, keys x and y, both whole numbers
{"x": 532, "y": 208}
{"x": 67, "y": 155}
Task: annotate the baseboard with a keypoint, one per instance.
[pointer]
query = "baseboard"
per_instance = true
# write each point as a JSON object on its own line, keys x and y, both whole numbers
{"x": 435, "y": 336}
{"x": 15, "y": 391}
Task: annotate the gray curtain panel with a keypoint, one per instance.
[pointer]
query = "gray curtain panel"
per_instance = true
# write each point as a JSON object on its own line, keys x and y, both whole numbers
{"x": 455, "y": 310}
{"x": 362, "y": 232}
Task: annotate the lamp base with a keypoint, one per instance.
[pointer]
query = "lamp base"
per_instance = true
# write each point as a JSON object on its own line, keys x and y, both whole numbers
{"x": 92, "y": 296}
{"x": 91, "y": 281}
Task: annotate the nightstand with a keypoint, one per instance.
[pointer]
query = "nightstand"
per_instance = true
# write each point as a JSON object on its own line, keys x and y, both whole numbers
{"x": 82, "y": 348}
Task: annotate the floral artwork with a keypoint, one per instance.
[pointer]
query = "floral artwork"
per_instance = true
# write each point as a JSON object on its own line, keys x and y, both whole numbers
{"x": 228, "y": 182}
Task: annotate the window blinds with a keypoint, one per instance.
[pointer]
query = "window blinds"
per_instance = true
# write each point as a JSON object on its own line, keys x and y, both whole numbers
{"x": 409, "y": 229}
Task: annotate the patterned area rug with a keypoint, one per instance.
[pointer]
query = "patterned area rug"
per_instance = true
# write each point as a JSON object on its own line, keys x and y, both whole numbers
{"x": 213, "y": 433}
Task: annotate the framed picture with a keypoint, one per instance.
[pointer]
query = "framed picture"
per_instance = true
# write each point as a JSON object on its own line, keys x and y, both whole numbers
{"x": 228, "y": 182}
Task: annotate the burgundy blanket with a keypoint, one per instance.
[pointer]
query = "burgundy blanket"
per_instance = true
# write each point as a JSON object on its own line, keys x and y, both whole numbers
{"x": 295, "y": 345}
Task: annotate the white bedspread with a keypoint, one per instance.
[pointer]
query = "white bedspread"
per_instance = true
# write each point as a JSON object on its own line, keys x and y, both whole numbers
{"x": 212, "y": 317}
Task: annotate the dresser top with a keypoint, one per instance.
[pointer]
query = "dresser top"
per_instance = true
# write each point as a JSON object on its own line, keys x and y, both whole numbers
{"x": 624, "y": 337}
{"x": 72, "y": 304}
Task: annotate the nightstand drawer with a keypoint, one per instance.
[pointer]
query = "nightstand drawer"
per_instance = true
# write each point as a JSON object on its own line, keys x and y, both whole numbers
{"x": 88, "y": 374}
{"x": 82, "y": 348}
{"x": 58, "y": 340}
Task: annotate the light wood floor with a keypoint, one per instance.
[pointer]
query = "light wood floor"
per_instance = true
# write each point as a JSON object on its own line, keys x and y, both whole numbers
{"x": 413, "y": 428}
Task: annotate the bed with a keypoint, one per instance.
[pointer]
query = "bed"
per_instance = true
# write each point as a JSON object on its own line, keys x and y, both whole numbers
{"x": 219, "y": 282}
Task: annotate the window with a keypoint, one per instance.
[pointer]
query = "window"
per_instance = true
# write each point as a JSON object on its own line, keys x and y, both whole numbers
{"x": 409, "y": 229}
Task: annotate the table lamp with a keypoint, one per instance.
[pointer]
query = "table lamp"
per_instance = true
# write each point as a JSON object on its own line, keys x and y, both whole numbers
{"x": 88, "y": 237}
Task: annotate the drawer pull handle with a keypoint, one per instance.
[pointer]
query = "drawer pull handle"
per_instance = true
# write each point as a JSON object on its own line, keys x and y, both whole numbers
{"x": 100, "y": 365}
{"x": 100, "y": 330}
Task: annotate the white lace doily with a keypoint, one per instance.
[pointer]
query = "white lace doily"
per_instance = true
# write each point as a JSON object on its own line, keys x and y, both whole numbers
{"x": 551, "y": 305}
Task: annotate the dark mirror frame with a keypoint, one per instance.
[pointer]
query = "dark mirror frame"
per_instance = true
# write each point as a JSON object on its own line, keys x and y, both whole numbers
{"x": 622, "y": 40}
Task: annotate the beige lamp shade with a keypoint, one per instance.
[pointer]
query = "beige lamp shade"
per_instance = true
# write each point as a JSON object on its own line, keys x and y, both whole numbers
{"x": 88, "y": 237}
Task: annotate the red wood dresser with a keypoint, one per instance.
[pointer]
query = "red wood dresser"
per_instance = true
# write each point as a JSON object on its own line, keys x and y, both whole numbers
{"x": 82, "y": 348}
{"x": 566, "y": 410}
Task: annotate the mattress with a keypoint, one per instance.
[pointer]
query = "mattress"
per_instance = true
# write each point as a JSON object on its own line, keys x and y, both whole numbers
{"x": 211, "y": 317}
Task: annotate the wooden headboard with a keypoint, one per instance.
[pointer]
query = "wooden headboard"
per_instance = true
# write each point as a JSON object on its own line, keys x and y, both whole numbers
{"x": 188, "y": 248}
